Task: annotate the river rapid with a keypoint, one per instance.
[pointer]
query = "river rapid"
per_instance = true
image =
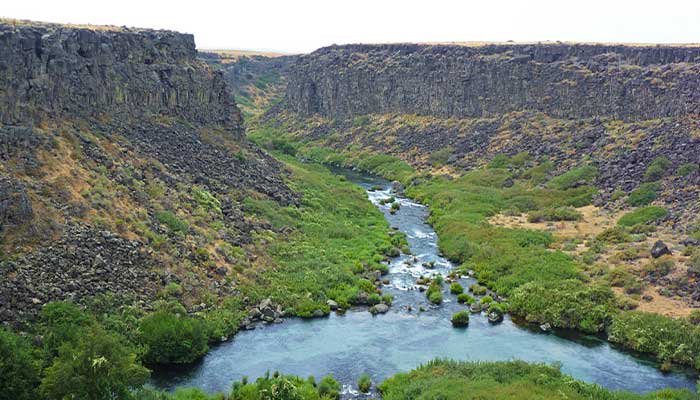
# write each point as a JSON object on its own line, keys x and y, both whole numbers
{"x": 357, "y": 342}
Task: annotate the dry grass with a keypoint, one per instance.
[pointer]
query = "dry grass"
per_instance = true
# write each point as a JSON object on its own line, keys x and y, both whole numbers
{"x": 234, "y": 53}
{"x": 594, "y": 222}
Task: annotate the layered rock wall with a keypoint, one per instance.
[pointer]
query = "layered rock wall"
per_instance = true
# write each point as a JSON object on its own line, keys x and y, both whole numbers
{"x": 55, "y": 71}
{"x": 565, "y": 81}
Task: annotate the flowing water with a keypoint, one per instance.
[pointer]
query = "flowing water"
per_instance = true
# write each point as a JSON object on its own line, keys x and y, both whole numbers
{"x": 357, "y": 342}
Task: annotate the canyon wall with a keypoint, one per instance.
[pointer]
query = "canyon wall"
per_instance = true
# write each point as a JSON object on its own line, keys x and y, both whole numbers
{"x": 561, "y": 80}
{"x": 56, "y": 71}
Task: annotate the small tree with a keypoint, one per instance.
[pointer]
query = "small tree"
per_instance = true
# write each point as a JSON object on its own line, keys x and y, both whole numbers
{"x": 18, "y": 369}
{"x": 99, "y": 366}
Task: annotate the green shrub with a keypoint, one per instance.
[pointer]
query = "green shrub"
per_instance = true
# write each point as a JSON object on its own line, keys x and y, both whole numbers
{"x": 364, "y": 383}
{"x": 687, "y": 169}
{"x": 460, "y": 318}
{"x": 499, "y": 161}
{"x": 98, "y": 365}
{"x": 374, "y": 299}
{"x": 62, "y": 322}
{"x": 498, "y": 308}
{"x": 564, "y": 304}
{"x": 486, "y": 300}
{"x": 694, "y": 262}
{"x": 465, "y": 298}
{"x": 660, "y": 267}
{"x": 440, "y": 157}
{"x": 478, "y": 290}
{"x": 644, "y": 194}
{"x": 172, "y": 338}
{"x": 555, "y": 214}
{"x": 456, "y": 288}
{"x": 18, "y": 367}
{"x": 278, "y": 387}
{"x": 206, "y": 200}
{"x": 387, "y": 299}
{"x": 694, "y": 317}
{"x": 642, "y": 216}
{"x": 575, "y": 177}
{"x": 657, "y": 169}
{"x": 669, "y": 339}
{"x": 171, "y": 221}
{"x": 329, "y": 388}
{"x": 435, "y": 297}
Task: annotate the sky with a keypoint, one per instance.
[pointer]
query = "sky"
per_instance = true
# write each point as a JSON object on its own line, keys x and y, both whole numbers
{"x": 305, "y": 25}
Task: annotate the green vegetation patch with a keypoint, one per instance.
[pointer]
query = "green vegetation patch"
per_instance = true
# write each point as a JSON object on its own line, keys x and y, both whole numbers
{"x": 671, "y": 340}
{"x": 573, "y": 178}
{"x": 564, "y": 304}
{"x": 337, "y": 235}
{"x": 451, "y": 380}
{"x": 642, "y": 216}
{"x": 644, "y": 194}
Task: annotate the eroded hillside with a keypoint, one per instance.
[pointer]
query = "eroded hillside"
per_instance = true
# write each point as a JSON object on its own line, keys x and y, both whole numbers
{"x": 124, "y": 165}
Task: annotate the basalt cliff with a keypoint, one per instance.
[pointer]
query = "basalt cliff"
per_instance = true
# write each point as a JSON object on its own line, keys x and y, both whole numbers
{"x": 617, "y": 107}
{"x": 111, "y": 141}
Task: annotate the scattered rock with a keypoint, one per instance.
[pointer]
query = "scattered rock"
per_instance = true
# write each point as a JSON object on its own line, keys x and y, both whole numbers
{"x": 659, "y": 249}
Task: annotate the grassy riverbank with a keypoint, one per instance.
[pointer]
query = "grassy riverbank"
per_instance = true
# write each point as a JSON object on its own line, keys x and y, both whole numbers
{"x": 563, "y": 281}
{"x": 304, "y": 255}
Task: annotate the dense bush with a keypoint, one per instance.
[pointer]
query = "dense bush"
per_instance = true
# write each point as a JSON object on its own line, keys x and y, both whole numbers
{"x": 173, "y": 338}
{"x": 98, "y": 365}
{"x": 657, "y": 169}
{"x": 671, "y": 340}
{"x": 465, "y": 298}
{"x": 460, "y": 318}
{"x": 19, "y": 370}
{"x": 456, "y": 288}
{"x": 364, "y": 384}
{"x": 644, "y": 194}
{"x": 575, "y": 177}
{"x": 564, "y": 304}
{"x": 642, "y": 216}
{"x": 329, "y": 388}
{"x": 435, "y": 297}
{"x": 61, "y": 322}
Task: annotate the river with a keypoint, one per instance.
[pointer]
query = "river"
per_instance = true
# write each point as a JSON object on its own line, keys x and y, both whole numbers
{"x": 357, "y": 342}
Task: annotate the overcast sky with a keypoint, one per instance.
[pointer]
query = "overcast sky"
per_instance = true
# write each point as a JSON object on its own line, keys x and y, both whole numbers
{"x": 302, "y": 26}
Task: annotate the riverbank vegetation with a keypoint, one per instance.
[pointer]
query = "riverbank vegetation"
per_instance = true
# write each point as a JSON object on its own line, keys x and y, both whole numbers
{"x": 321, "y": 249}
{"x": 448, "y": 380}
{"x": 542, "y": 282}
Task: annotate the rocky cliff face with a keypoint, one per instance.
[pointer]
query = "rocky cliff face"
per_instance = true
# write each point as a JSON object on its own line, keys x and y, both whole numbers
{"x": 561, "y": 80}
{"x": 53, "y": 71}
{"x": 122, "y": 159}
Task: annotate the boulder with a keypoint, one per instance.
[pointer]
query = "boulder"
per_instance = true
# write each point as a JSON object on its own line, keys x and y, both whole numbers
{"x": 475, "y": 308}
{"x": 495, "y": 317}
{"x": 332, "y": 305}
{"x": 659, "y": 249}
{"x": 546, "y": 327}
{"x": 397, "y": 187}
{"x": 379, "y": 309}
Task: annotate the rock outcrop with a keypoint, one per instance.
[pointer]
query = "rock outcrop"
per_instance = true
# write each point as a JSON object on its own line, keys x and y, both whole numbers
{"x": 561, "y": 80}
{"x": 56, "y": 71}
{"x": 105, "y": 135}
